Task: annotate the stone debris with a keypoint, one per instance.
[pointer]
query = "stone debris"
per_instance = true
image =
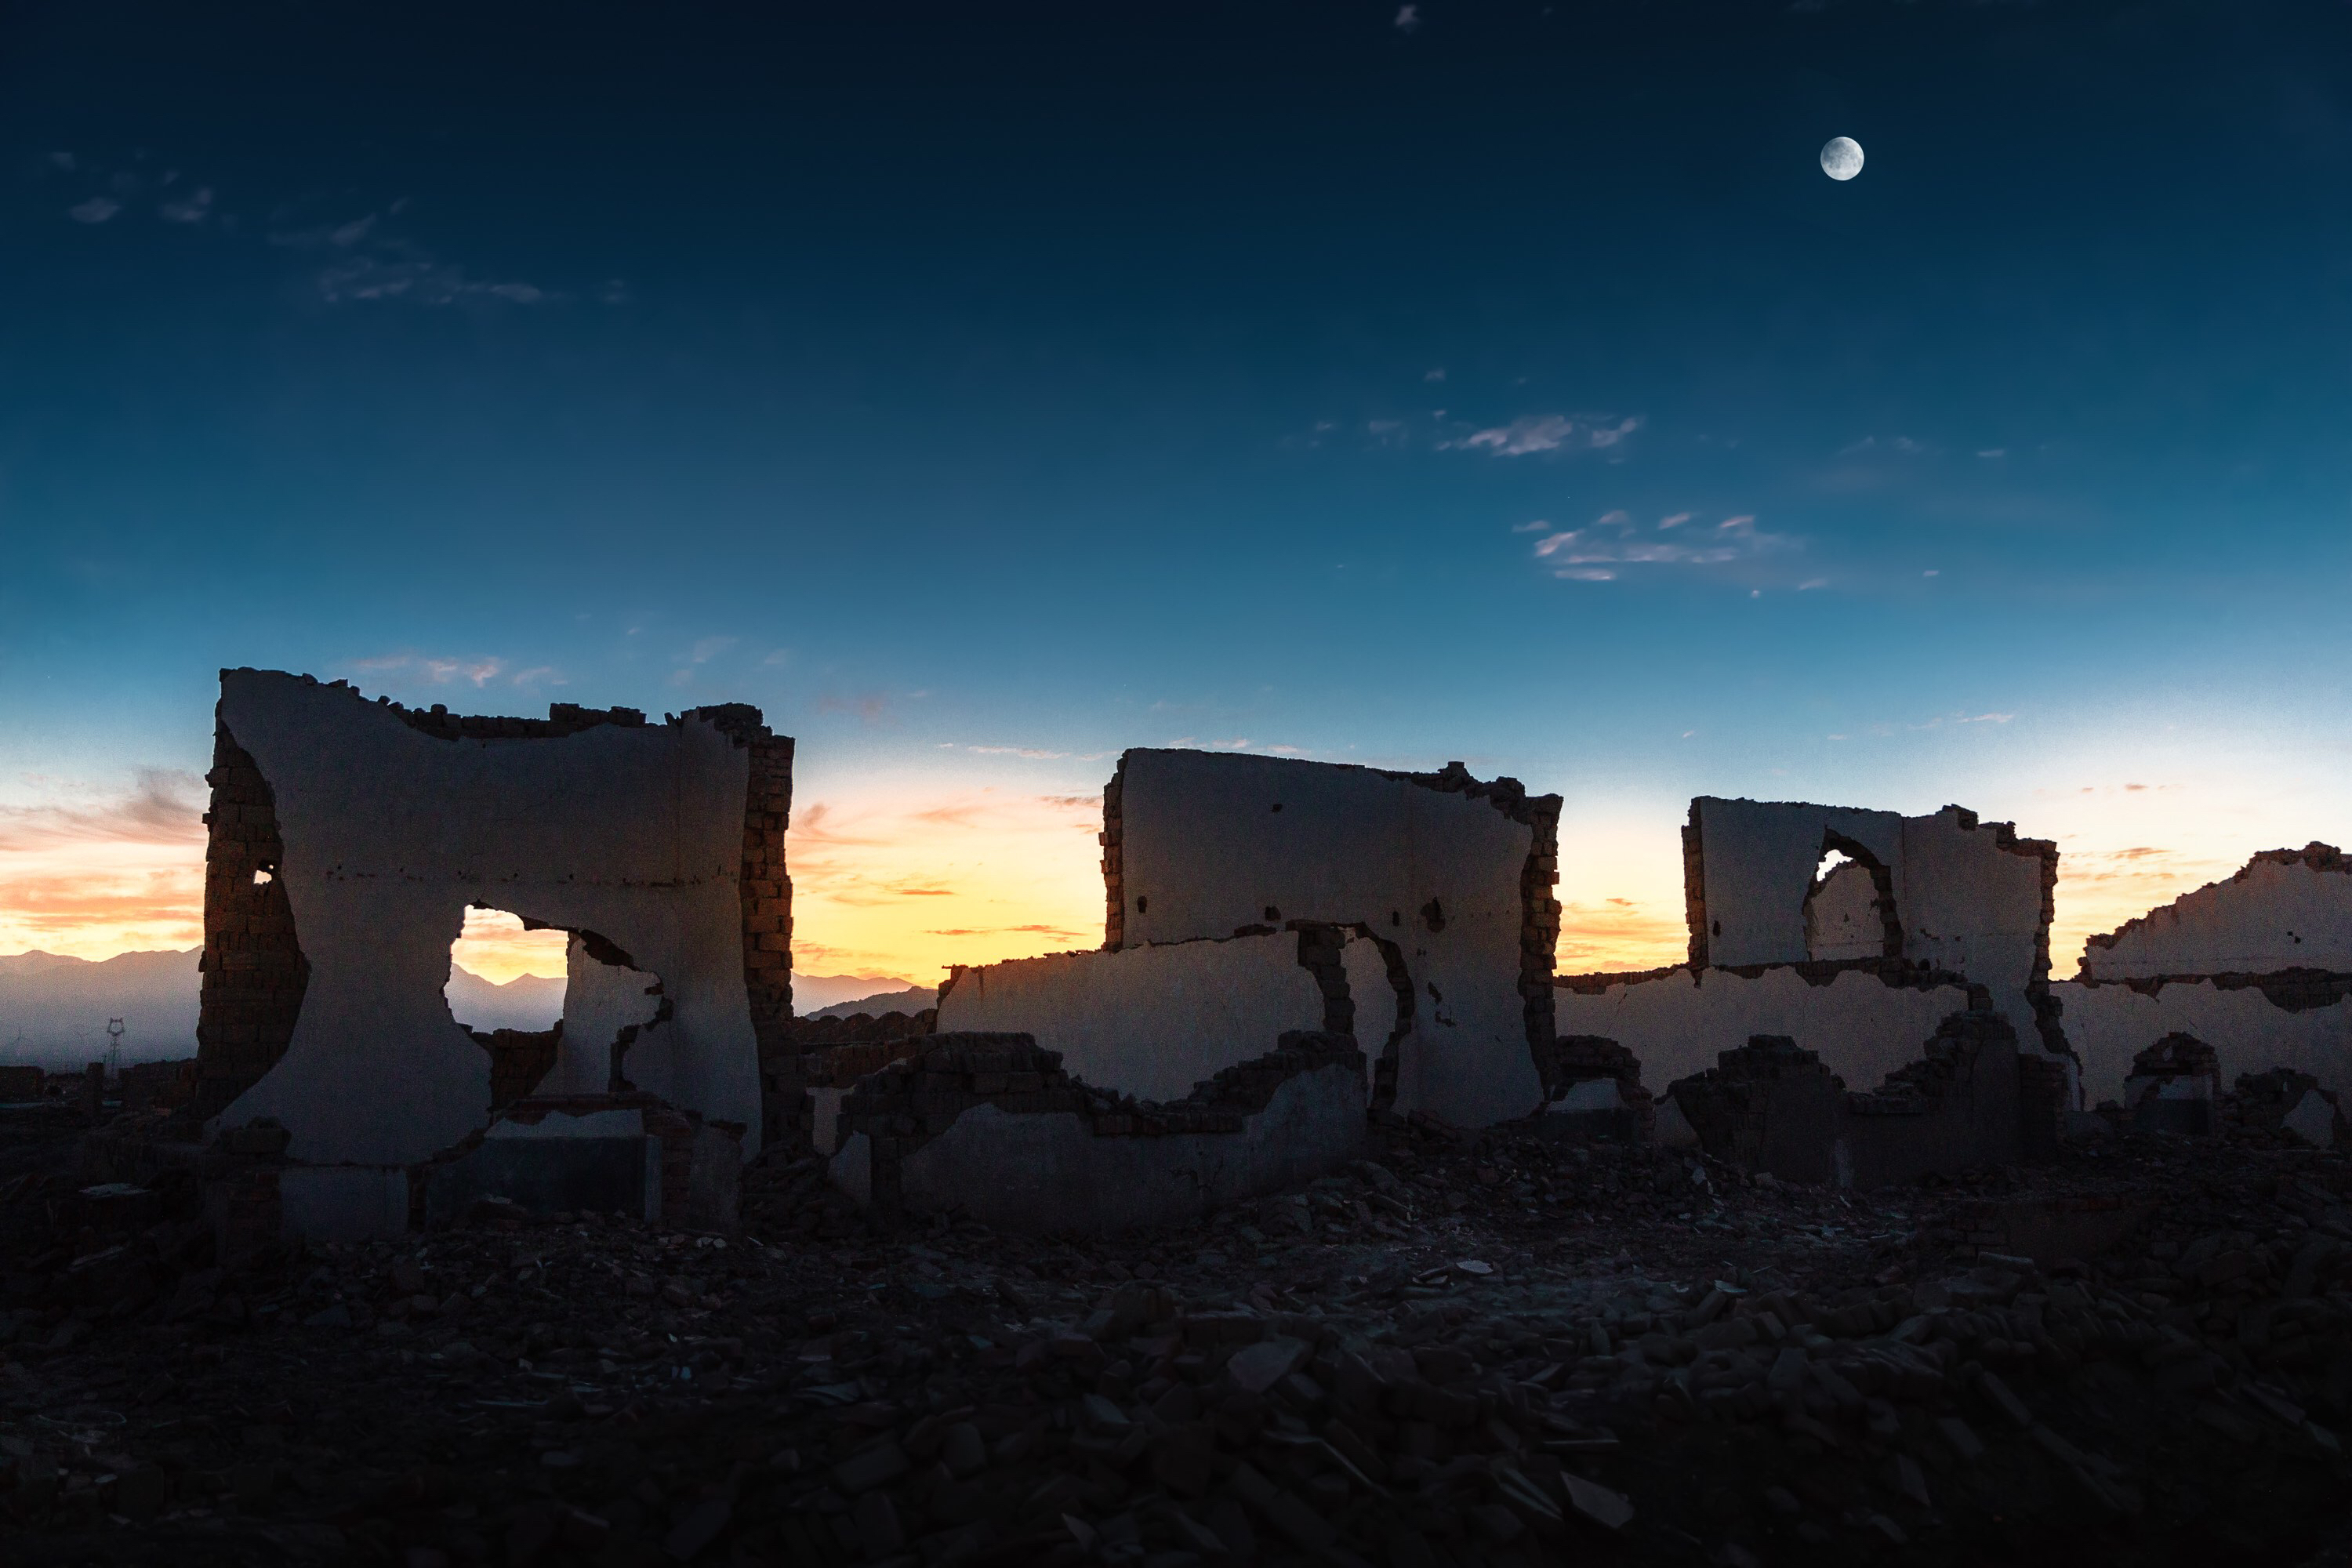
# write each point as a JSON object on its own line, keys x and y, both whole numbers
{"x": 1463, "y": 1349}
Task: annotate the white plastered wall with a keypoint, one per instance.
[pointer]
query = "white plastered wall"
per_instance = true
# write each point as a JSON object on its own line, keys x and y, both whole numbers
{"x": 2267, "y": 918}
{"x": 1205, "y": 853}
{"x": 1759, "y": 857}
{"x": 600, "y": 1000}
{"x": 1842, "y": 919}
{"x": 1967, "y": 905}
{"x": 1973, "y": 908}
{"x": 1146, "y": 1021}
{"x": 1677, "y": 1024}
{"x": 390, "y": 833}
{"x": 2109, "y": 1024}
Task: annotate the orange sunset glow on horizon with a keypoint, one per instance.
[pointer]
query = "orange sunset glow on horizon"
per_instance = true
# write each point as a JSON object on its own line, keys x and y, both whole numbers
{"x": 920, "y": 875}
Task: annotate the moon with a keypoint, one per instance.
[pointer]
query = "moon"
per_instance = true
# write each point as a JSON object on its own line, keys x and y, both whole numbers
{"x": 1841, "y": 158}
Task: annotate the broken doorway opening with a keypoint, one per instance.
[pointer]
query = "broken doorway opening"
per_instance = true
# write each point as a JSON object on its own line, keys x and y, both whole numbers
{"x": 1849, "y": 907}
{"x": 507, "y": 987}
{"x": 556, "y": 1009}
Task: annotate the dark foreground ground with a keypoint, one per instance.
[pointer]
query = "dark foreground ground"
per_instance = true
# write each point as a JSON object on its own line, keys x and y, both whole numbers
{"x": 1464, "y": 1351}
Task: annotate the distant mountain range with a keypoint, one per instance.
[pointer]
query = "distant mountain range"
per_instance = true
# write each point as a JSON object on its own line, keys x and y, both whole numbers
{"x": 913, "y": 999}
{"x": 815, "y": 995}
{"x": 53, "y": 1009}
{"x": 526, "y": 1001}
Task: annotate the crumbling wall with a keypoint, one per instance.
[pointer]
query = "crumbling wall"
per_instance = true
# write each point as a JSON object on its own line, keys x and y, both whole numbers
{"x": 607, "y": 1006}
{"x": 2285, "y": 909}
{"x": 2110, "y": 1023}
{"x": 1849, "y": 968}
{"x": 1956, "y": 895}
{"x": 1456, "y": 873}
{"x": 1771, "y": 1106}
{"x": 391, "y": 822}
{"x": 992, "y": 1125}
{"x": 253, "y": 973}
{"x": 1864, "y": 1021}
{"x": 1155, "y": 1021}
{"x": 2259, "y": 967}
{"x": 1755, "y": 861}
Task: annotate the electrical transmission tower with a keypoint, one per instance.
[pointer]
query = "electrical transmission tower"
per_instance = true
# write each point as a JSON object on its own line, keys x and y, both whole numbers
{"x": 114, "y": 1047}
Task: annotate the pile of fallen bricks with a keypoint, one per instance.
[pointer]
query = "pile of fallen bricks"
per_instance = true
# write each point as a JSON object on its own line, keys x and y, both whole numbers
{"x": 1463, "y": 1349}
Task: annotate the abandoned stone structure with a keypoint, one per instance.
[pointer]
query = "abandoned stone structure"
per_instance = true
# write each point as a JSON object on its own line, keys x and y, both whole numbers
{"x": 1287, "y": 942}
{"x": 1848, "y": 949}
{"x": 1154, "y": 1021}
{"x": 348, "y": 839}
{"x": 1289, "y": 945}
{"x": 1449, "y": 877}
{"x": 990, "y": 1124}
{"x": 2258, "y": 968}
{"x": 1854, "y": 932}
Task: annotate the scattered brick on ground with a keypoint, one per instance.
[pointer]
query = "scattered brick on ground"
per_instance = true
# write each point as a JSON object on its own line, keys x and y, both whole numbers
{"x": 1485, "y": 1349}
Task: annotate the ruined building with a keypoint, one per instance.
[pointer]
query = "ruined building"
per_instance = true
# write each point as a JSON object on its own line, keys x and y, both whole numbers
{"x": 347, "y": 840}
{"x": 1286, "y": 944}
{"x": 1289, "y": 946}
{"x": 1829, "y": 951}
{"x": 2258, "y": 968}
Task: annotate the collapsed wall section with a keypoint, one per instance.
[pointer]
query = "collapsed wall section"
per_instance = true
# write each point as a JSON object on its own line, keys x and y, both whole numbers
{"x": 2258, "y": 966}
{"x": 2286, "y": 911}
{"x": 989, "y": 1125}
{"x": 2111, "y": 1024}
{"x": 659, "y": 847}
{"x": 1456, "y": 873}
{"x": 1155, "y": 1021}
{"x": 1772, "y": 1107}
{"x": 1847, "y": 934}
{"x": 1953, "y": 895}
{"x": 1862, "y": 1022}
{"x": 253, "y": 973}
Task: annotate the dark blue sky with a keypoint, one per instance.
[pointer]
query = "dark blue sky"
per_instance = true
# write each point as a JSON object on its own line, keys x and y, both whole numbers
{"x": 1064, "y": 378}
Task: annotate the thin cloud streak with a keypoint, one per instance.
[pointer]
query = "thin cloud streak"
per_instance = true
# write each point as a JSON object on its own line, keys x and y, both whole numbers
{"x": 1537, "y": 433}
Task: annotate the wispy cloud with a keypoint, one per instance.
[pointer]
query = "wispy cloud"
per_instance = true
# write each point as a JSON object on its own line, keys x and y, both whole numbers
{"x": 163, "y": 807}
{"x": 1549, "y": 433}
{"x": 1614, "y": 542}
{"x": 103, "y": 873}
{"x": 997, "y": 931}
{"x": 1408, "y": 19}
{"x": 869, "y": 706}
{"x": 97, "y": 209}
{"x": 369, "y": 277}
{"x": 378, "y": 264}
{"x": 193, "y": 207}
{"x": 441, "y": 671}
{"x": 1031, "y": 752}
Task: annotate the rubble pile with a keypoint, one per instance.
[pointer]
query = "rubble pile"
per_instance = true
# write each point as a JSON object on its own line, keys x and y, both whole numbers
{"x": 1465, "y": 1349}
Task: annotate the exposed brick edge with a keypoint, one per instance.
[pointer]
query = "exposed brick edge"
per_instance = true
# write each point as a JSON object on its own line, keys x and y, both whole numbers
{"x": 1896, "y": 973}
{"x": 1580, "y": 1059}
{"x": 915, "y": 1097}
{"x": 1539, "y": 911}
{"x": 1918, "y": 1087}
{"x": 1694, "y": 887}
{"x": 235, "y": 1047}
{"x": 765, "y": 885}
{"x": 253, "y": 971}
{"x": 1113, "y": 840}
{"x": 2005, "y": 838}
{"x": 2289, "y": 990}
